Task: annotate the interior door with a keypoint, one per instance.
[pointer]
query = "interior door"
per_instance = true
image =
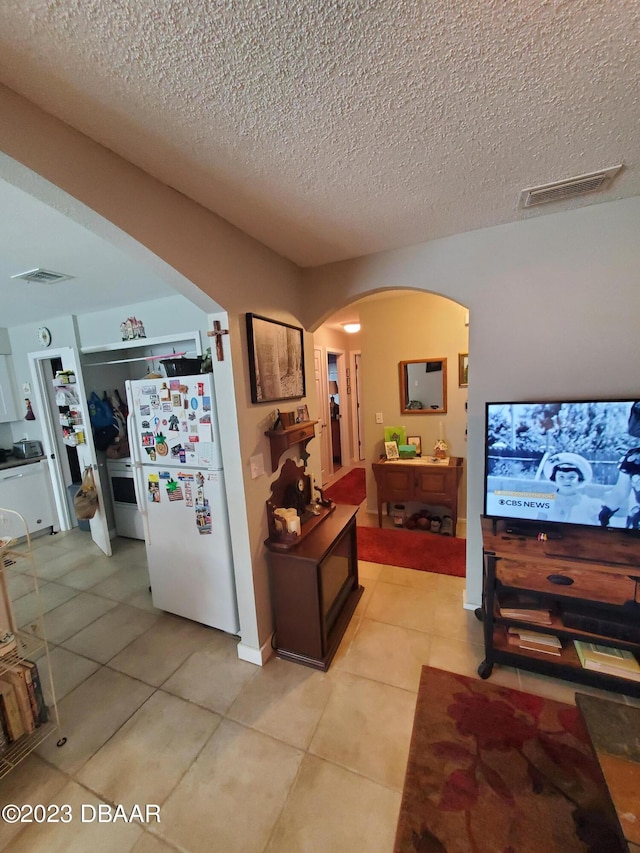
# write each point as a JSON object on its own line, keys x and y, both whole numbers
{"x": 359, "y": 430}
{"x": 86, "y": 452}
{"x": 322, "y": 396}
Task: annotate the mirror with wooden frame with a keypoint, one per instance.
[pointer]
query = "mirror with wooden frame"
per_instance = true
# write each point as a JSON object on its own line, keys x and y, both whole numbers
{"x": 423, "y": 386}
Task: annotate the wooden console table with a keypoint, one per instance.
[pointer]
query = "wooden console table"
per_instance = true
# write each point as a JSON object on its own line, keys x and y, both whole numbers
{"x": 402, "y": 480}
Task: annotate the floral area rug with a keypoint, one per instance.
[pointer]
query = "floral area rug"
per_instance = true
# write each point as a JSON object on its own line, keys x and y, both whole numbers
{"x": 494, "y": 770}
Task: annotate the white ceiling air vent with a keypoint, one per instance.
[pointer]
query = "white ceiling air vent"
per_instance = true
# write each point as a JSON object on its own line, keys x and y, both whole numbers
{"x": 41, "y": 276}
{"x": 568, "y": 188}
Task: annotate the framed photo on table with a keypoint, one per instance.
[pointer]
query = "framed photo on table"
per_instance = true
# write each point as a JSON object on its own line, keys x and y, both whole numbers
{"x": 391, "y": 449}
{"x": 276, "y": 360}
{"x": 415, "y": 441}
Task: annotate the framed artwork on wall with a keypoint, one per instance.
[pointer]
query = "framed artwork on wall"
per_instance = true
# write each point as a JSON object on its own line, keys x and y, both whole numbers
{"x": 463, "y": 369}
{"x": 276, "y": 360}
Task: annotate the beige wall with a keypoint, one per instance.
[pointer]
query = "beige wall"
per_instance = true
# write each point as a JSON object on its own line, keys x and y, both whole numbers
{"x": 195, "y": 251}
{"x": 554, "y": 311}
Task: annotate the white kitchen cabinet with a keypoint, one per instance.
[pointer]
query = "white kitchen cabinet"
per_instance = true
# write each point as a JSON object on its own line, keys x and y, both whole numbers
{"x": 26, "y": 489}
{"x": 8, "y": 403}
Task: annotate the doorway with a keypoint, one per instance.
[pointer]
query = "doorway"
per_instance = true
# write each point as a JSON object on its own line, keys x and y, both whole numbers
{"x": 53, "y": 396}
{"x": 334, "y": 411}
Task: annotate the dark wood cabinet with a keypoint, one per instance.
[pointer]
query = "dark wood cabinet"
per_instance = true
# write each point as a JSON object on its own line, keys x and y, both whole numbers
{"x": 589, "y": 583}
{"x": 315, "y": 589}
{"x": 413, "y": 480}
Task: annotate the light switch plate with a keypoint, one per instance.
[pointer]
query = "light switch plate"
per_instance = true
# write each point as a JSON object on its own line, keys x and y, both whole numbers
{"x": 379, "y": 417}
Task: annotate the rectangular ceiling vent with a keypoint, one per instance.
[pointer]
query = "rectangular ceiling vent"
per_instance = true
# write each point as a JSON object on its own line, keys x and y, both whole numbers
{"x": 40, "y": 276}
{"x": 571, "y": 187}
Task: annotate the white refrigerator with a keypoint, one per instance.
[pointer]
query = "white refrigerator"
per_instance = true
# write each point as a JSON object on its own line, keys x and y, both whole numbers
{"x": 179, "y": 478}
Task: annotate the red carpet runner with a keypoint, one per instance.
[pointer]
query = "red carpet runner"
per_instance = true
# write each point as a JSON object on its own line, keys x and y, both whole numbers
{"x": 350, "y": 489}
{"x": 428, "y": 552}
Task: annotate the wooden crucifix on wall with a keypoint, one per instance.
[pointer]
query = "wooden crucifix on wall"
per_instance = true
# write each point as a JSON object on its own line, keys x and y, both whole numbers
{"x": 217, "y": 333}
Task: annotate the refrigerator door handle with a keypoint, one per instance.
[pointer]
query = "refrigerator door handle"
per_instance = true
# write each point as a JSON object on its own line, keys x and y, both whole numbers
{"x": 138, "y": 471}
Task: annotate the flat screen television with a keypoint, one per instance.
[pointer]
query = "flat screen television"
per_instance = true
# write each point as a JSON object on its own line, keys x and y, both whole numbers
{"x": 553, "y": 463}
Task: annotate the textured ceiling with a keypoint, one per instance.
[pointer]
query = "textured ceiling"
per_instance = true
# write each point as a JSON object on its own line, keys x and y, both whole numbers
{"x": 329, "y": 129}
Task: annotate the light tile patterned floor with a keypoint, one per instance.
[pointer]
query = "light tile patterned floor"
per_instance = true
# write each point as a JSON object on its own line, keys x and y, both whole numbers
{"x": 280, "y": 759}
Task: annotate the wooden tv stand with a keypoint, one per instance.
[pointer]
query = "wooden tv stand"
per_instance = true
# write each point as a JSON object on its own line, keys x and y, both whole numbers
{"x": 402, "y": 480}
{"x": 590, "y": 582}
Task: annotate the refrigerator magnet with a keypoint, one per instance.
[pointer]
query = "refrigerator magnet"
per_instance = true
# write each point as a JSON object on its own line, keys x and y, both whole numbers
{"x": 165, "y": 393}
{"x": 151, "y": 451}
{"x": 204, "y": 432}
{"x": 203, "y": 517}
{"x": 188, "y": 493}
{"x": 176, "y": 401}
{"x": 153, "y": 489}
{"x": 148, "y": 439}
{"x": 174, "y": 491}
{"x": 174, "y": 385}
{"x": 194, "y": 402}
{"x": 145, "y": 411}
{"x": 200, "y": 389}
{"x": 206, "y": 404}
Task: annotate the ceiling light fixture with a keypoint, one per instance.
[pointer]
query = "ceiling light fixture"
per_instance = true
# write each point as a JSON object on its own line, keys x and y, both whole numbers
{"x": 351, "y": 328}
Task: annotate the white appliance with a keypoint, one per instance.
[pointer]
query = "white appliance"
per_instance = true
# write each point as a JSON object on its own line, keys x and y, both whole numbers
{"x": 179, "y": 482}
{"x": 128, "y": 517}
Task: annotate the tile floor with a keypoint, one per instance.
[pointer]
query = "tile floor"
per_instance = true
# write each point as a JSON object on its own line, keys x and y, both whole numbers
{"x": 159, "y": 710}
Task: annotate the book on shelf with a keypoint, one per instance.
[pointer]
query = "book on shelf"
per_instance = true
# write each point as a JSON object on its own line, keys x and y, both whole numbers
{"x": 4, "y": 737}
{"x": 607, "y": 659}
{"x": 10, "y": 711}
{"x": 15, "y": 675}
{"x": 527, "y": 614}
{"x": 40, "y": 713}
{"x": 535, "y": 641}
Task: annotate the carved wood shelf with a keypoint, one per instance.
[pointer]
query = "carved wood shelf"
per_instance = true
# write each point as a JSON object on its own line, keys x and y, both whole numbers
{"x": 283, "y": 439}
